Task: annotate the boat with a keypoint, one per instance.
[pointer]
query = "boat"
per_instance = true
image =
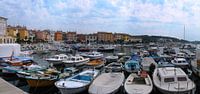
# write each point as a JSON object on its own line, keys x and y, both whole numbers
{"x": 83, "y": 49}
{"x": 136, "y": 57}
{"x": 132, "y": 66}
{"x": 180, "y": 55}
{"x": 57, "y": 59}
{"x": 146, "y": 63}
{"x": 114, "y": 67}
{"x": 92, "y": 55}
{"x": 76, "y": 60}
{"x": 77, "y": 83}
{"x": 97, "y": 63}
{"x": 111, "y": 58}
{"x": 180, "y": 62}
{"x": 107, "y": 83}
{"x": 26, "y": 71}
{"x": 105, "y": 49}
{"x": 123, "y": 59}
{"x": 138, "y": 84}
{"x": 172, "y": 80}
{"x": 45, "y": 78}
{"x": 10, "y": 67}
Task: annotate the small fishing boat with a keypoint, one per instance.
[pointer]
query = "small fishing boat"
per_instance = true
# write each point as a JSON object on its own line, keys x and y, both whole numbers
{"x": 138, "y": 84}
{"x": 136, "y": 57}
{"x": 12, "y": 66}
{"x": 77, "y": 83}
{"x": 111, "y": 58}
{"x": 114, "y": 67}
{"x": 57, "y": 59}
{"x": 180, "y": 62}
{"x": 146, "y": 63}
{"x": 105, "y": 49}
{"x": 26, "y": 71}
{"x": 76, "y": 60}
{"x": 107, "y": 83}
{"x": 92, "y": 55}
{"x": 171, "y": 80}
{"x": 132, "y": 66}
{"x": 45, "y": 78}
{"x": 97, "y": 63}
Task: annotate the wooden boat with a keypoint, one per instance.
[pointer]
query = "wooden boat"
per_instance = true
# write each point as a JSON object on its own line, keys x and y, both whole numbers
{"x": 138, "y": 84}
{"x": 77, "y": 83}
{"x": 107, "y": 83}
{"x": 132, "y": 66}
{"x": 57, "y": 59}
{"x": 114, "y": 67}
{"x": 10, "y": 67}
{"x": 171, "y": 80}
{"x": 97, "y": 63}
{"x": 43, "y": 78}
{"x": 76, "y": 60}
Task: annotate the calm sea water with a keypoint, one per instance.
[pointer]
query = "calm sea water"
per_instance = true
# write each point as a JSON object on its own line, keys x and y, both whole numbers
{"x": 53, "y": 90}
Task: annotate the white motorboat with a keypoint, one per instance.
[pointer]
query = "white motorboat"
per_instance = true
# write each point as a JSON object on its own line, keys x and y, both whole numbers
{"x": 92, "y": 55}
{"x": 171, "y": 80}
{"x": 180, "y": 55}
{"x": 57, "y": 59}
{"x": 77, "y": 83}
{"x": 76, "y": 60}
{"x": 181, "y": 62}
{"x": 111, "y": 58}
{"x": 107, "y": 83}
{"x": 138, "y": 84}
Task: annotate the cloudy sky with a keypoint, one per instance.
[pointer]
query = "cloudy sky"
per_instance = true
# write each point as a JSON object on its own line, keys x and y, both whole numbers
{"x": 137, "y": 17}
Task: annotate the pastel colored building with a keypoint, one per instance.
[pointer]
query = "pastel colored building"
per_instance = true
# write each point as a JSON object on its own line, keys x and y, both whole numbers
{"x": 71, "y": 36}
{"x": 105, "y": 37}
{"x": 81, "y": 38}
{"x": 58, "y": 36}
{"x": 91, "y": 38}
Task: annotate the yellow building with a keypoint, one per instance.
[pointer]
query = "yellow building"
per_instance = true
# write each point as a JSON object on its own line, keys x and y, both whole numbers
{"x": 23, "y": 33}
{"x": 13, "y": 31}
{"x": 126, "y": 37}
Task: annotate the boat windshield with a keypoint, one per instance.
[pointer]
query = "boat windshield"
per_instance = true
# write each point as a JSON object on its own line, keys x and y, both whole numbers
{"x": 168, "y": 79}
{"x": 55, "y": 57}
{"x": 181, "y": 78}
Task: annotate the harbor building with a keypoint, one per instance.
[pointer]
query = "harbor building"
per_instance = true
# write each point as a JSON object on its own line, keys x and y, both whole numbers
{"x": 3, "y": 27}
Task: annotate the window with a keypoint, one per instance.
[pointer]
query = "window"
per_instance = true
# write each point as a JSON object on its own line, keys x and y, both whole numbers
{"x": 169, "y": 80}
{"x": 181, "y": 78}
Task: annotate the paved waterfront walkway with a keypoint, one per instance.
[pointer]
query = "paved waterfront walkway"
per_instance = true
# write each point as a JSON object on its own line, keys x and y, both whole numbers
{"x": 7, "y": 88}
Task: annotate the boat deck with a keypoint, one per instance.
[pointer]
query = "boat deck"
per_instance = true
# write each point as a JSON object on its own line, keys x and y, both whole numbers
{"x": 7, "y": 88}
